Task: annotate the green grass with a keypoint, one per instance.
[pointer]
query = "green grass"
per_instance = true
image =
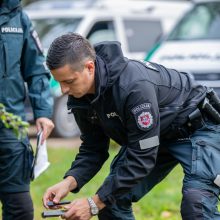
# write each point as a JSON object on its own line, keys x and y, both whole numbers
{"x": 161, "y": 203}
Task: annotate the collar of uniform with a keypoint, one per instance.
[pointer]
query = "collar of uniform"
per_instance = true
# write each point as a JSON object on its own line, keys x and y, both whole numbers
{"x": 9, "y": 5}
{"x": 8, "y": 11}
{"x": 101, "y": 78}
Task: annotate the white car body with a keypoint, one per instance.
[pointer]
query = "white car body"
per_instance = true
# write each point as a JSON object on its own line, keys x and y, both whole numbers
{"x": 199, "y": 55}
{"x": 148, "y": 21}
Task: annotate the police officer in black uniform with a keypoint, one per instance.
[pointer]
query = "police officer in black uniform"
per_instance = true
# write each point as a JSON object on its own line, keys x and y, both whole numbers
{"x": 21, "y": 61}
{"x": 160, "y": 117}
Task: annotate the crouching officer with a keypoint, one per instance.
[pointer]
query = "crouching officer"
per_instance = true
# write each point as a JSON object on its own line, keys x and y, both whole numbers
{"x": 21, "y": 61}
{"x": 159, "y": 116}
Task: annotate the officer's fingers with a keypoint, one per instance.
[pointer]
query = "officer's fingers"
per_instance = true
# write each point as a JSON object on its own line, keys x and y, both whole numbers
{"x": 48, "y": 196}
{"x": 57, "y": 198}
{"x": 50, "y": 127}
{"x": 71, "y": 211}
{"x": 44, "y": 135}
{"x": 45, "y": 132}
{"x": 38, "y": 126}
{"x": 67, "y": 207}
{"x": 46, "y": 125}
{"x": 47, "y": 129}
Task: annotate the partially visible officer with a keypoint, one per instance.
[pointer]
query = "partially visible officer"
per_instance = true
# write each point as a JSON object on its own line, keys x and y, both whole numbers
{"x": 21, "y": 60}
{"x": 160, "y": 117}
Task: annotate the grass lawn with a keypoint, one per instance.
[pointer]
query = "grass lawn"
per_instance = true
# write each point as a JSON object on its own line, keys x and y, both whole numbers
{"x": 161, "y": 203}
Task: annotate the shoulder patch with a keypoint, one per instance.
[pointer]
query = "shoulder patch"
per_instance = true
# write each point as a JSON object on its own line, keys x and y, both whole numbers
{"x": 37, "y": 40}
{"x": 143, "y": 116}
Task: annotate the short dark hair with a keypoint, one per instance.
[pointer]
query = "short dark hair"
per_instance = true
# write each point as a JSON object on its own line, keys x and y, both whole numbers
{"x": 72, "y": 49}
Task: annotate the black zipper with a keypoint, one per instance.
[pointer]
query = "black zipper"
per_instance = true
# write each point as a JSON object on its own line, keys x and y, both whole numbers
{"x": 5, "y": 61}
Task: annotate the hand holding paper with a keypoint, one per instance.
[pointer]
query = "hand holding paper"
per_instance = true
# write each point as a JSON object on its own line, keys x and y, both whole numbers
{"x": 41, "y": 162}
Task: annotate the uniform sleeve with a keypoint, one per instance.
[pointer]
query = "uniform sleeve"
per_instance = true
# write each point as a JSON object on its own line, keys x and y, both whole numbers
{"x": 34, "y": 72}
{"x": 142, "y": 123}
{"x": 93, "y": 151}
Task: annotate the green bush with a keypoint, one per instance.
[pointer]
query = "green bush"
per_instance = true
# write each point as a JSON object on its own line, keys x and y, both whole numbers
{"x": 13, "y": 122}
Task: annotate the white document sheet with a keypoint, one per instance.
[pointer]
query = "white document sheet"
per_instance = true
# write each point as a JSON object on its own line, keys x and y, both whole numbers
{"x": 41, "y": 162}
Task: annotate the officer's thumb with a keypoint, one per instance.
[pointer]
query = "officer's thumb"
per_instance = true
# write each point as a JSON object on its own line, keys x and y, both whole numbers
{"x": 57, "y": 198}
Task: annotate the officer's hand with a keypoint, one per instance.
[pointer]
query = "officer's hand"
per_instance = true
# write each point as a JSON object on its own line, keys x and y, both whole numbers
{"x": 59, "y": 191}
{"x": 46, "y": 125}
{"x": 79, "y": 209}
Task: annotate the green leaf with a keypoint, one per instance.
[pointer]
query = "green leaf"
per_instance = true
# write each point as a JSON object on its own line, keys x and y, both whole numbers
{"x": 14, "y": 122}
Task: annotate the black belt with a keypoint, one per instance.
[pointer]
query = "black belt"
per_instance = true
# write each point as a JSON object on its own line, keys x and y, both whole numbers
{"x": 207, "y": 110}
{"x": 195, "y": 121}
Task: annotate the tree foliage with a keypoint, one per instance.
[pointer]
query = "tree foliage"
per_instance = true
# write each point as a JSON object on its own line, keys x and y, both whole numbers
{"x": 26, "y": 2}
{"x": 14, "y": 122}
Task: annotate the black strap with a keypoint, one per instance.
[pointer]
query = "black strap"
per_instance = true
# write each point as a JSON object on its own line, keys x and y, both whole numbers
{"x": 194, "y": 122}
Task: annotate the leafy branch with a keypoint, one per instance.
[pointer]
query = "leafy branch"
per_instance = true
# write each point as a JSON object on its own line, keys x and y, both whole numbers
{"x": 14, "y": 122}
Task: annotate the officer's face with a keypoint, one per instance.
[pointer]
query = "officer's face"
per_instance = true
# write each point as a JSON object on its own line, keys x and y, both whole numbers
{"x": 76, "y": 83}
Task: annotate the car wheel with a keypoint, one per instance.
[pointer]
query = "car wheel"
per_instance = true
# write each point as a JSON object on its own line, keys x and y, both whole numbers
{"x": 65, "y": 124}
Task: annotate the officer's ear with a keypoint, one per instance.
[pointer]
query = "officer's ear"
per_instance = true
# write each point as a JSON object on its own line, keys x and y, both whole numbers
{"x": 90, "y": 65}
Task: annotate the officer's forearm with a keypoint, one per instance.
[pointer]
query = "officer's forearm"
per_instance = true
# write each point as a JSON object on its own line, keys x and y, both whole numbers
{"x": 71, "y": 181}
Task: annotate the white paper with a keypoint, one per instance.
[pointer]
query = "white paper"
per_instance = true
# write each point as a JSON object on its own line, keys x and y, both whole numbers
{"x": 41, "y": 162}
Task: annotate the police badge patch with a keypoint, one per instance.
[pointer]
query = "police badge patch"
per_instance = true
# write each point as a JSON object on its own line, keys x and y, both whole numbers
{"x": 143, "y": 116}
{"x": 145, "y": 120}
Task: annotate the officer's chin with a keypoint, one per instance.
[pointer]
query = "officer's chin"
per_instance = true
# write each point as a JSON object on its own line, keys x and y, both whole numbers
{"x": 77, "y": 95}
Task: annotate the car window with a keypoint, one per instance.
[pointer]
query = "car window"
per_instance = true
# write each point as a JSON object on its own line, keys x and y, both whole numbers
{"x": 49, "y": 29}
{"x": 203, "y": 22}
{"x": 102, "y": 31}
{"x": 141, "y": 34}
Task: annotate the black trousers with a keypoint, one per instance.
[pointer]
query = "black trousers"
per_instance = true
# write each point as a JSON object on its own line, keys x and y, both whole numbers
{"x": 16, "y": 158}
{"x": 17, "y": 206}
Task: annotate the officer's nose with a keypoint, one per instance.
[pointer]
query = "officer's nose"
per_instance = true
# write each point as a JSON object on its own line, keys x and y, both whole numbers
{"x": 64, "y": 89}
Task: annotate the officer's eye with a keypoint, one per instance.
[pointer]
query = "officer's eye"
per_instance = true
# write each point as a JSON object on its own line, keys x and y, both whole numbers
{"x": 68, "y": 81}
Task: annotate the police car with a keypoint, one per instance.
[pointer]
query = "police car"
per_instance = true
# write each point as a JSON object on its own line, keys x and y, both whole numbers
{"x": 194, "y": 44}
{"x": 136, "y": 24}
